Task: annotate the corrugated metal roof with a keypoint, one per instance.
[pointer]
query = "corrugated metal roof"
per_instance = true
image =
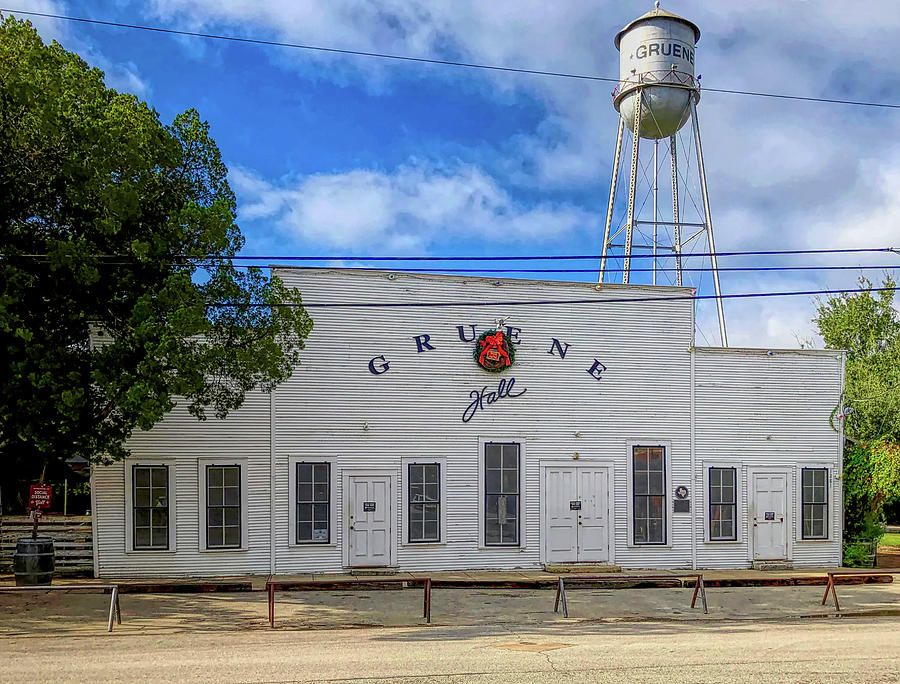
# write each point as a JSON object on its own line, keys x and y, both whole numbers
{"x": 658, "y": 13}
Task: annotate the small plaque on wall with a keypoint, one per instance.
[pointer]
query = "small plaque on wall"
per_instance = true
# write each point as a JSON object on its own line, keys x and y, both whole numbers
{"x": 574, "y": 505}
{"x": 368, "y": 506}
{"x": 681, "y": 506}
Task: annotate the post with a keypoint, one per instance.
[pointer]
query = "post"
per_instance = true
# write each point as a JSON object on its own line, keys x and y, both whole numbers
{"x": 113, "y": 602}
{"x": 673, "y": 154}
{"x": 65, "y": 496}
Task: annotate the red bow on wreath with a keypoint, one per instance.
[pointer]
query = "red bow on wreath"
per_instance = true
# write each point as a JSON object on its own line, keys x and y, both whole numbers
{"x": 493, "y": 342}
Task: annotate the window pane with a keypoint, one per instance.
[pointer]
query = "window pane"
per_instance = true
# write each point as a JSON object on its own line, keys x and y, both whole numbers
{"x": 656, "y": 530}
{"x": 640, "y": 458}
{"x": 232, "y": 536}
{"x": 491, "y": 532}
{"x": 656, "y": 459}
{"x": 320, "y": 492}
{"x": 214, "y": 496}
{"x": 656, "y": 483}
{"x": 142, "y": 536}
{"x": 304, "y": 531}
{"x": 232, "y": 496}
{"x": 304, "y": 473}
{"x": 215, "y": 476}
{"x": 159, "y": 517}
{"x": 492, "y": 455}
{"x": 320, "y": 473}
{"x": 431, "y": 530}
{"x": 161, "y": 537}
{"x": 158, "y": 477}
{"x": 640, "y": 531}
{"x": 492, "y": 480}
{"x": 417, "y": 513}
{"x": 415, "y": 474}
{"x": 141, "y": 496}
{"x": 432, "y": 473}
{"x": 214, "y": 536}
{"x": 510, "y": 481}
{"x": 232, "y": 476}
{"x": 432, "y": 492}
{"x": 641, "y": 482}
{"x": 215, "y": 517}
{"x": 304, "y": 492}
{"x": 141, "y": 517}
{"x": 655, "y": 506}
{"x": 304, "y": 512}
{"x": 320, "y": 512}
{"x": 232, "y": 516}
{"x": 640, "y": 507}
{"x": 510, "y": 456}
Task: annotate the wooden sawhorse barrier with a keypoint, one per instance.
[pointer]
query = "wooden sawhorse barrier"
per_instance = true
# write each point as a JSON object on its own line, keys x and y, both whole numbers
{"x": 343, "y": 585}
{"x": 699, "y": 586}
{"x": 829, "y": 587}
{"x": 114, "y": 611}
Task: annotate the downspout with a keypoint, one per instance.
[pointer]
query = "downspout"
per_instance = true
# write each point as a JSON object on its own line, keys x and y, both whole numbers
{"x": 693, "y": 353}
{"x": 272, "y": 535}
{"x": 840, "y": 446}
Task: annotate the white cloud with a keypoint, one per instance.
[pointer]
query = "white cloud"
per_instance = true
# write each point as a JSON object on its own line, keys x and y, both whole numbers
{"x": 782, "y": 174}
{"x": 406, "y": 210}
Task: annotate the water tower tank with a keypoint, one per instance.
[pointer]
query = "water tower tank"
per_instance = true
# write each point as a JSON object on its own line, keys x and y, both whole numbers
{"x": 656, "y": 53}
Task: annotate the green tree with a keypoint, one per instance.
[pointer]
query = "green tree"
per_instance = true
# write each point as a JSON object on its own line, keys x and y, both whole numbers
{"x": 112, "y": 221}
{"x": 867, "y": 326}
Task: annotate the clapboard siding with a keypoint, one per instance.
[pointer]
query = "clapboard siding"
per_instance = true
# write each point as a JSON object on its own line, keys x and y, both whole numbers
{"x": 180, "y": 440}
{"x": 757, "y": 409}
{"x": 333, "y": 407}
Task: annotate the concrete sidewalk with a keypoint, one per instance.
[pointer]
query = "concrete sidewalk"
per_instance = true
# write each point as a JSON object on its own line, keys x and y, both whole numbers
{"x": 60, "y": 614}
{"x": 520, "y": 579}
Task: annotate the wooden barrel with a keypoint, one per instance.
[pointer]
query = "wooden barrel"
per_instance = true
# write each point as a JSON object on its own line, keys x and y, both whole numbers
{"x": 34, "y": 561}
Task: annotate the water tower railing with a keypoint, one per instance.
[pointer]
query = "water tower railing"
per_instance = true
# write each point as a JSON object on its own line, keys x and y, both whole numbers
{"x": 669, "y": 77}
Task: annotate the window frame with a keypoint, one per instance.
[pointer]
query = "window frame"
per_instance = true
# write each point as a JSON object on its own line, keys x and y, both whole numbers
{"x": 129, "y": 465}
{"x": 203, "y": 542}
{"x": 801, "y": 504}
{"x": 740, "y": 503}
{"x": 441, "y": 462}
{"x": 667, "y": 479}
{"x": 523, "y": 500}
{"x": 707, "y": 469}
{"x": 334, "y": 475}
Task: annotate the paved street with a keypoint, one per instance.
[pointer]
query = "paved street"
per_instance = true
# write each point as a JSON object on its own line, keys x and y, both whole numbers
{"x": 814, "y": 650}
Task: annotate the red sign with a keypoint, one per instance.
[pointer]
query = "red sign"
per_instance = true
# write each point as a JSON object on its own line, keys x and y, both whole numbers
{"x": 39, "y": 496}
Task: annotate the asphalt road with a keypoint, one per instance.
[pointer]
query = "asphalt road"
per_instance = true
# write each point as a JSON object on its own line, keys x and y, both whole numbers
{"x": 865, "y": 649}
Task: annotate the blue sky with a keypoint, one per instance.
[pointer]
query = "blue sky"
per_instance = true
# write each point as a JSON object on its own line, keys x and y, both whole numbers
{"x": 335, "y": 154}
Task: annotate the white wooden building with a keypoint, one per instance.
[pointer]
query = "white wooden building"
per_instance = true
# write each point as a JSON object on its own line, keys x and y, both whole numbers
{"x": 611, "y": 439}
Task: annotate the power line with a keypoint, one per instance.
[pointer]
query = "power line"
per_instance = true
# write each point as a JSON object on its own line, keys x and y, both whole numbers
{"x": 530, "y": 257}
{"x": 425, "y": 60}
{"x": 618, "y": 300}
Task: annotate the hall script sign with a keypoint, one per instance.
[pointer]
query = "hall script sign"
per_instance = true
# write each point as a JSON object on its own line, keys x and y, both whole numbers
{"x": 506, "y": 389}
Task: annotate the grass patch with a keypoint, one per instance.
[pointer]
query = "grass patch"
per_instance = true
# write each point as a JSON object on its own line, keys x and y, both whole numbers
{"x": 891, "y": 539}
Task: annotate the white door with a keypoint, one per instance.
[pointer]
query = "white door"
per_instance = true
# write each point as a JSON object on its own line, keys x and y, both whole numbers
{"x": 369, "y": 526}
{"x": 770, "y": 520}
{"x": 560, "y": 520}
{"x": 593, "y": 518}
{"x": 576, "y": 515}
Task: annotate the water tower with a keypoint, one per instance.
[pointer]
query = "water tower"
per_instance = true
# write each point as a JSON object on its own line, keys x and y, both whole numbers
{"x": 656, "y": 96}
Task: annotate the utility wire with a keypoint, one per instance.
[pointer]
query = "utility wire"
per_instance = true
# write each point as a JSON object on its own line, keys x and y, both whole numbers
{"x": 552, "y": 302}
{"x": 424, "y": 60}
{"x": 284, "y": 257}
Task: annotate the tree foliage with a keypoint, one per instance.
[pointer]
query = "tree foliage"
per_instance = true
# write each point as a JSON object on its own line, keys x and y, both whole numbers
{"x": 114, "y": 222}
{"x": 868, "y": 328}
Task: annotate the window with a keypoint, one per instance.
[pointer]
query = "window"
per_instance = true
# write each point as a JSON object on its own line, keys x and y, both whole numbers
{"x": 722, "y": 504}
{"x": 501, "y": 494}
{"x": 814, "y": 484}
{"x": 649, "y": 491}
{"x": 150, "y": 503}
{"x": 223, "y": 507}
{"x": 424, "y": 500}
{"x": 313, "y": 503}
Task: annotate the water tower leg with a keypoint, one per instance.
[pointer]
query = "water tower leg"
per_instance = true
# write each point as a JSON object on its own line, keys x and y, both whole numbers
{"x": 709, "y": 226}
{"x": 612, "y": 197}
{"x": 632, "y": 185}
{"x": 673, "y": 152}
{"x": 655, "y": 203}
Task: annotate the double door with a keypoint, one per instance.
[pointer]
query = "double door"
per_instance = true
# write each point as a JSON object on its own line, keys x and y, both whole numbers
{"x": 576, "y": 515}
